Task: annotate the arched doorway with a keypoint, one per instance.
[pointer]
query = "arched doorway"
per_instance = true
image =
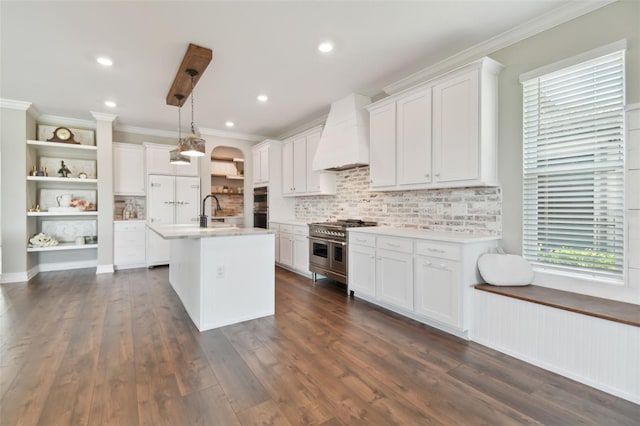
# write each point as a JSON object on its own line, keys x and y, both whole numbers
{"x": 227, "y": 184}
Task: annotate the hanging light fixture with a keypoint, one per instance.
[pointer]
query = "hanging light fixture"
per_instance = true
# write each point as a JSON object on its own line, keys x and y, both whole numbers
{"x": 175, "y": 155}
{"x": 193, "y": 144}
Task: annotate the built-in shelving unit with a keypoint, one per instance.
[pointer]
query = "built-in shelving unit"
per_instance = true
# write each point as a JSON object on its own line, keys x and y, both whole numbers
{"x": 44, "y": 191}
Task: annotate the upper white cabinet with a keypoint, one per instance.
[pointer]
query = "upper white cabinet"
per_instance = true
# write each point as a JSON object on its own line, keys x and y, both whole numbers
{"x": 157, "y": 156}
{"x": 261, "y": 163}
{"x": 128, "y": 169}
{"x": 298, "y": 176}
{"x": 382, "y": 146}
{"x": 439, "y": 134}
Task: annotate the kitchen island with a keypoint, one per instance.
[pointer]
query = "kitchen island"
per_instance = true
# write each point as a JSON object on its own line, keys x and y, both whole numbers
{"x": 222, "y": 274}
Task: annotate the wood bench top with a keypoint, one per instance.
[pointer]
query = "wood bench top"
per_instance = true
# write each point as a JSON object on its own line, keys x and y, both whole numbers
{"x": 612, "y": 310}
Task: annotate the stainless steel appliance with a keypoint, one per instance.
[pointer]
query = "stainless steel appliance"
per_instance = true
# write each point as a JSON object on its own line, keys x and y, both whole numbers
{"x": 261, "y": 207}
{"x": 328, "y": 248}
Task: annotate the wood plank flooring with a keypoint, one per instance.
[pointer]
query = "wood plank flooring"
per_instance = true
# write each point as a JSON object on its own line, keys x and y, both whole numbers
{"x": 83, "y": 349}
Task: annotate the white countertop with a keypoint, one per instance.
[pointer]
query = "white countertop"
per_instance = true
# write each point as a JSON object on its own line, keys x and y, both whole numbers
{"x": 454, "y": 237}
{"x": 289, "y": 222}
{"x": 171, "y": 232}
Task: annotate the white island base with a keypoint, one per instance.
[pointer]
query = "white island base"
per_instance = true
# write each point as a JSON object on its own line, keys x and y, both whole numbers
{"x": 224, "y": 276}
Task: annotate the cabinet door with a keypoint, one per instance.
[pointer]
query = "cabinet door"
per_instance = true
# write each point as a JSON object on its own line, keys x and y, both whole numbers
{"x": 362, "y": 270}
{"x": 160, "y": 199}
{"x": 382, "y": 146}
{"x": 257, "y": 176}
{"x": 301, "y": 253}
{"x": 456, "y": 129}
{"x": 414, "y": 138}
{"x": 437, "y": 289}
{"x": 287, "y": 168}
{"x": 187, "y": 200}
{"x": 158, "y": 160}
{"x": 128, "y": 169}
{"x": 286, "y": 249}
{"x": 300, "y": 166}
{"x": 394, "y": 278}
{"x": 264, "y": 164}
{"x": 313, "y": 177}
{"x": 277, "y": 240}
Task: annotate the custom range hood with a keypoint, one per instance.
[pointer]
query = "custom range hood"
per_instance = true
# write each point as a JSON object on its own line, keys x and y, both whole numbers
{"x": 344, "y": 143}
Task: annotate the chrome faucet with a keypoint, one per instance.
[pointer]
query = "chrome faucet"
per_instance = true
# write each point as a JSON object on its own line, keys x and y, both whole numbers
{"x": 203, "y": 217}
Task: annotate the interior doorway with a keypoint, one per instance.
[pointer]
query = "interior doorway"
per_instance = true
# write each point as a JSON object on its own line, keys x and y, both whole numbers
{"x": 227, "y": 184}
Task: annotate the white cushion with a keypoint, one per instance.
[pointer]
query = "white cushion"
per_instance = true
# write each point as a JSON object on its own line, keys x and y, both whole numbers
{"x": 505, "y": 269}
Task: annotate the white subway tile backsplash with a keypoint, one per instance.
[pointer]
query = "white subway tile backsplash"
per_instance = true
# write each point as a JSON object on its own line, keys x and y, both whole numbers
{"x": 468, "y": 210}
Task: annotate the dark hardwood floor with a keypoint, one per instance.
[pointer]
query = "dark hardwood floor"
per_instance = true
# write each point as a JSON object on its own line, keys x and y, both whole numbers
{"x": 80, "y": 348}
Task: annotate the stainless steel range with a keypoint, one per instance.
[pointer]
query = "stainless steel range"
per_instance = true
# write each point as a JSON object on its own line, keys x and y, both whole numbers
{"x": 328, "y": 248}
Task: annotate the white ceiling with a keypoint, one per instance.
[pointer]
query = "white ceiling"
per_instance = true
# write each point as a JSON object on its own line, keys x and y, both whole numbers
{"x": 48, "y": 52}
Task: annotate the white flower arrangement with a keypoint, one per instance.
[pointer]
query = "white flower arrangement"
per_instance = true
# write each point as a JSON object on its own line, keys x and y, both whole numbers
{"x": 42, "y": 240}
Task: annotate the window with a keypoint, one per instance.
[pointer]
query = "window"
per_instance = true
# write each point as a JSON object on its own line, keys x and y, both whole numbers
{"x": 573, "y": 168}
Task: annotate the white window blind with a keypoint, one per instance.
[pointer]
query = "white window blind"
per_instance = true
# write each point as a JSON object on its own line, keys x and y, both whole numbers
{"x": 573, "y": 168}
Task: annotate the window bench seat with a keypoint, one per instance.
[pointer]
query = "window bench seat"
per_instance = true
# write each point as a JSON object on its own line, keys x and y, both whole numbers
{"x": 612, "y": 310}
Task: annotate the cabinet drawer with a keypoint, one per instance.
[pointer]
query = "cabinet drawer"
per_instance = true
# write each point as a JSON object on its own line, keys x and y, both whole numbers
{"x": 128, "y": 226}
{"x": 274, "y": 226}
{"x": 294, "y": 229}
{"x": 129, "y": 239}
{"x": 129, "y": 255}
{"x": 396, "y": 244}
{"x": 435, "y": 249}
{"x": 362, "y": 239}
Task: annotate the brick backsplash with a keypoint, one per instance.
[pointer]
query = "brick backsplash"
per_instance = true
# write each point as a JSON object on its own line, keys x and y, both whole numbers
{"x": 469, "y": 210}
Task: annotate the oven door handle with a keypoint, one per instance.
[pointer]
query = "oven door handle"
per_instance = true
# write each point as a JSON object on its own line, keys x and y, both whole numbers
{"x": 322, "y": 240}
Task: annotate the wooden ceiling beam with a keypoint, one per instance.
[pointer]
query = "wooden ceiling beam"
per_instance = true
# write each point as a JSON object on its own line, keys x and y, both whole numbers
{"x": 196, "y": 58}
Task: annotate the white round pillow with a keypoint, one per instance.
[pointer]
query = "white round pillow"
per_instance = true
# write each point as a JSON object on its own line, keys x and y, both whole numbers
{"x": 505, "y": 269}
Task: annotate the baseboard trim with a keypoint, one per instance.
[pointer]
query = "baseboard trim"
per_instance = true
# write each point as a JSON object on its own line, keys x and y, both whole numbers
{"x": 105, "y": 269}
{"x": 14, "y": 277}
{"x": 62, "y": 266}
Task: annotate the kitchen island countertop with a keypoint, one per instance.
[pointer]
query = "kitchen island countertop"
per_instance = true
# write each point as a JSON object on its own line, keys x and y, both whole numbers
{"x": 172, "y": 232}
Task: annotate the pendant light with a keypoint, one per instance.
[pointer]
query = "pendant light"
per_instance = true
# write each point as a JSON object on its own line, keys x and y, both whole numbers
{"x": 193, "y": 144}
{"x": 175, "y": 155}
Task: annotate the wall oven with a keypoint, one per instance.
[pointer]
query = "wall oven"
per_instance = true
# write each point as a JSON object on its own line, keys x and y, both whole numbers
{"x": 261, "y": 207}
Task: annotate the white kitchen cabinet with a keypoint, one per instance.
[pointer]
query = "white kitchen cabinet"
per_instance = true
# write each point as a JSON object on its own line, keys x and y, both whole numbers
{"x": 129, "y": 239}
{"x": 437, "y": 289}
{"x": 276, "y": 228}
{"x": 298, "y": 176}
{"x": 362, "y": 269}
{"x": 382, "y": 146}
{"x": 170, "y": 200}
{"x": 424, "y": 276}
{"x": 294, "y": 171}
{"x": 261, "y": 164}
{"x": 456, "y": 122}
{"x": 293, "y": 247}
{"x": 414, "y": 138}
{"x": 128, "y": 169}
{"x": 157, "y": 157}
{"x": 394, "y": 278}
{"x": 440, "y": 134}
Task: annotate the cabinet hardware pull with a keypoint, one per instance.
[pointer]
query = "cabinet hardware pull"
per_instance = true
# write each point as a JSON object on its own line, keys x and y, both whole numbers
{"x": 393, "y": 245}
{"x": 437, "y": 174}
{"x": 426, "y": 264}
{"x": 435, "y": 250}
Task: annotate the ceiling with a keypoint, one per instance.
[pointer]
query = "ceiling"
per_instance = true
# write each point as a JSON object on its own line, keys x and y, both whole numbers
{"x": 49, "y": 50}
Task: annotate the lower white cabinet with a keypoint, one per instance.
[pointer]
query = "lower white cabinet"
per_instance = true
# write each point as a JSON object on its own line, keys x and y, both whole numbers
{"x": 418, "y": 274}
{"x": 362, "y": 269}
{"x": 129, "y": 241}
{"x": 394, "y": 278}
{"x": 437, "y": 289}
{"x": 276, "y": 228}
{"x": 292, "y": 247}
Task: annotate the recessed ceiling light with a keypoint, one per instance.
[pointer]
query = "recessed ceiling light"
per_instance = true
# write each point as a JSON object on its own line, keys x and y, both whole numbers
{"x": 229, "y": 124}
{"x": 110, "y": 104}
{"x": 263, "y": 98}
{"x": 102, "y": 60}
{"x": 325, "y": 47}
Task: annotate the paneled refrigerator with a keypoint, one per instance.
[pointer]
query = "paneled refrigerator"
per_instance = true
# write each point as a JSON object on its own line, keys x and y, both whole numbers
{"x": 170, "y": 200}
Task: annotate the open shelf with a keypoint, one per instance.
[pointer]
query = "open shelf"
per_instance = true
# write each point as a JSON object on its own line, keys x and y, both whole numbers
{"x": 227, "y": 193}
{"x": 60, "y": 179}
{"x": 60, "y": 145}
{"x": 51, "y": 214}
{"x": 63, "y": 247}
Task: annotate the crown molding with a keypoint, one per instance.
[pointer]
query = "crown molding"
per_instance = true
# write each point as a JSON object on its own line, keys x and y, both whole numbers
{"x": 66, "y": 121}
{"x": 146, "y": 131}
{"x": 232, "y": 135}
{"x": 12, "y": 104}
{"x": 530, "y": 28}
{"x": 320, "y": 121}
{"x": 101, "y": 116}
